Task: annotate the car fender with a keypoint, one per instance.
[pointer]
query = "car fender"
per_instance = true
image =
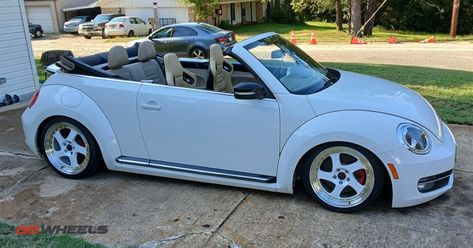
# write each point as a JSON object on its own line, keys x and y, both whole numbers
{"x": 374, "y": 131}
{"x": 59, "y": 100}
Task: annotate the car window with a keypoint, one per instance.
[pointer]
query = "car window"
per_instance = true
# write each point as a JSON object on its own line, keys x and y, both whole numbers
{"x": 163, "y": 33}
{"x": 183, "y": 32}
{"x": 133, "y": 21}
{"x": 118, "y": 19}
{"x": 209, "y": 28}
{"x": 139, "y": 21}
{"x": 102, "y": 18}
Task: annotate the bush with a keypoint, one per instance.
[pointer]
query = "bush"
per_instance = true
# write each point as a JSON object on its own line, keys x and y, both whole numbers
{"x": 225, "y": 25}
{"x": 282, "y": 13}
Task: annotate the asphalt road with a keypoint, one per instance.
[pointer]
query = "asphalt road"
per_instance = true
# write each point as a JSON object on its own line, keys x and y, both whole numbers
{"x": 449, "y": 55}
{"x": 158, "y": 212}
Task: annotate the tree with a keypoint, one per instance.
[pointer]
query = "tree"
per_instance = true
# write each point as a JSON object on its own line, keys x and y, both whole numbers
{"x": 203, "y": 8}
{"x": 339, "y": 15}
{"x": 371, "y": 6}
{"x": 355, "y": 17}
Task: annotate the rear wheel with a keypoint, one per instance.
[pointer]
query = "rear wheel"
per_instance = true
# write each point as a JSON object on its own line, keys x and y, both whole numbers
{"x": 197, "y": 53}
{"x": 343, "y": 177}
{"x": 131, "y": 33}
{"x": 69, "y": 148}
{"x": 38, "y": 33}
{"x": 104, "y": 36}
{"x": 87, "y": 37}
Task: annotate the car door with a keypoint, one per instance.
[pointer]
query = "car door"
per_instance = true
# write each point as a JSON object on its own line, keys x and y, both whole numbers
{"x": 182, "y": 38}
{"x": 161, "y": 39}
{"x": 211, "y": 131}
{"x": 141, "y": 27}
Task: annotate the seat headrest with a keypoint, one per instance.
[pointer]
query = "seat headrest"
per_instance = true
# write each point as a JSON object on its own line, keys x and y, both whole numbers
{"x": 117, "y": 57}
{"x": 146, "y": 51}
{"x": 216, "y": 53}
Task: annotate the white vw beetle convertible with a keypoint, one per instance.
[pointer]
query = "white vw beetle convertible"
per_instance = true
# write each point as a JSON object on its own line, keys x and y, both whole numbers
{"x": 263, "y": 115}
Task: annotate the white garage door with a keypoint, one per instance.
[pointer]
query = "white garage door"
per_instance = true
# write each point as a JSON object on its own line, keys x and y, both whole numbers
{"x": 180, "y": 14}
{"x": 41, "y": 15}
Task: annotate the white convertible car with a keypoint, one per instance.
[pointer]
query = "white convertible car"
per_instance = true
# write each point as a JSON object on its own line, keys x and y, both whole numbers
{"x": 263, "y": 116}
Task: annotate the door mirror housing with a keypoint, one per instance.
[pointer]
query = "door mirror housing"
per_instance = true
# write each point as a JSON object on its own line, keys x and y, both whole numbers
{"x": 248, "y": 91}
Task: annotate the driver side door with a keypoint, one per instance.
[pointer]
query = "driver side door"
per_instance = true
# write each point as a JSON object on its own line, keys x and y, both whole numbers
{"x": 161, "y": 39}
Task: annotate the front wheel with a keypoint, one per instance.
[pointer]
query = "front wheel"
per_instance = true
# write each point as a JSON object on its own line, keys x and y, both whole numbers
{"x": 104, "y": 36}
{"x": 38, "y": 33}
{"x": 69, "y": 148}
{"x": 343, "y": 177}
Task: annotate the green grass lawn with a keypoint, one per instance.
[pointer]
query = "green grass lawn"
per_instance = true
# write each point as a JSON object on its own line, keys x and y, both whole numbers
{"x": 449, "y": 91}
{"x": 8, "y": 238}
{"x": 326, "y": 32}
{"x": 40, "y": 70}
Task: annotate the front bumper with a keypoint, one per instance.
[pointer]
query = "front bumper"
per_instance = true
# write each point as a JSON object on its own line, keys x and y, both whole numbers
{"x": 92, "y": 32}
{"x": 418, "y": 171}
{"x": 71, "y": 29}
{"x": 30, "y": 126}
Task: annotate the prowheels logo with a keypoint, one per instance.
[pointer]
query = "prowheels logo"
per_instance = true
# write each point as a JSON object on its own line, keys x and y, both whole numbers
{"x": 49, "y": 229}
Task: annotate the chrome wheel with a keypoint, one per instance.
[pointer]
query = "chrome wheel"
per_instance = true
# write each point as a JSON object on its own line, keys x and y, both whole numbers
{"x": 66, "y": 148}
{"x": 341, "y": 177}
{"x": 197, "y": 54}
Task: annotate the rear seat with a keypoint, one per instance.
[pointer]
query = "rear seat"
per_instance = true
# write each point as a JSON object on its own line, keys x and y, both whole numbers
{"x": 147, "y": 68}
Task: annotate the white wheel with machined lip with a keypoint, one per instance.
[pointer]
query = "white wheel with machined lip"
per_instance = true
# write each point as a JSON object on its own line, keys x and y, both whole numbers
{"x": 69, "y": 148}
{"x": 343, "y": 177}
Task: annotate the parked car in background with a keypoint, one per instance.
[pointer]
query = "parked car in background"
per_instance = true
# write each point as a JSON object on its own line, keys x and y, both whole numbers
{"x": 72, "y": 26}
{"x": 97, "y": 26}
{"x": 189, "y": 39}
{"x": 127, "y": 26}
{"x": 35, "y": 30}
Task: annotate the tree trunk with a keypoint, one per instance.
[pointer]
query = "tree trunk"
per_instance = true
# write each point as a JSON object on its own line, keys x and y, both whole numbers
{"x": 339, "y": 14}
{"x": 370, "y": 9}
{"x": 355, "y": 17}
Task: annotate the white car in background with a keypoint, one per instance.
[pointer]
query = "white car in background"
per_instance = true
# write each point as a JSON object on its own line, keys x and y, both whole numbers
{"x": 265, "y": 119}
{"x": 127, "y": 26}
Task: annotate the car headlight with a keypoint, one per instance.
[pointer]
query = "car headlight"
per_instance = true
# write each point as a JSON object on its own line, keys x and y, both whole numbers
{"x": 415, "y": 138}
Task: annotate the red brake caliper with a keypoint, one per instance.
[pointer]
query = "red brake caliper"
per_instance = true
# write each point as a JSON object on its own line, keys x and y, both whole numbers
{"x": 360, "y": 176}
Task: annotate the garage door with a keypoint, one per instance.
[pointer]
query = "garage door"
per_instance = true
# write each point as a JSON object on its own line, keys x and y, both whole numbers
{"x": 180, "y": 14}
{"x": 41, "y": 15}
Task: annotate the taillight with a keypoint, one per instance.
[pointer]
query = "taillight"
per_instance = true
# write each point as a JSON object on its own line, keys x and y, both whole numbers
{"x": 220, "y": 39}
{"x": 33, "y": 100}
{"x": 121, "y": 25}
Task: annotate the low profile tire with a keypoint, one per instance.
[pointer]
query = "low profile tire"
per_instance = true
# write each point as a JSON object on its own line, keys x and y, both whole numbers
{"x": 69, "y": 148}
{"x": 38, "y": 33}
{"x": 197, "y": 53}
{"x": 343, "y": 177}
{"x": 131, "y": 33}
{"x": 87, "y": 37}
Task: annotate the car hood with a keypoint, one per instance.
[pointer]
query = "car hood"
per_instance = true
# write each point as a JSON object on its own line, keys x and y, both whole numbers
{"x": 360, "y": 92}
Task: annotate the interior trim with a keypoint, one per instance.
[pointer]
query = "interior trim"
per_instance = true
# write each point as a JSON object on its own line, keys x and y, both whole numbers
{"x": 163, "y": 165}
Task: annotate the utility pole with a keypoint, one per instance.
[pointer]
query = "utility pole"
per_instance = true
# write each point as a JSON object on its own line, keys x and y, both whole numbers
{"x": 155, "y": 13}
{"x": 455, "y": 10}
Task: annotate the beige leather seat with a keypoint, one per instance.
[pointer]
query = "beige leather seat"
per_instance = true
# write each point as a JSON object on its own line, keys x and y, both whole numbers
{"x": 221, "y": 70}
{"x": 176, "y": 75}
{"x": 117, "y": 59}
{"x": 150, "y": 68}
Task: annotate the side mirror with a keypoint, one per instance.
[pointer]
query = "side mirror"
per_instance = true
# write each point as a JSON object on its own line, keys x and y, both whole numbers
{"x": 248, "y": 91}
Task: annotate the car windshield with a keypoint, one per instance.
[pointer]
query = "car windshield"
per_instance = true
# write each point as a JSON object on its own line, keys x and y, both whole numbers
{"x": 102, "y": 18}
{"x": 118, "y": 19}
{"x": 209, "y": 28}
{"x": 296, "y": 70}
{"x": 77, "y": 19}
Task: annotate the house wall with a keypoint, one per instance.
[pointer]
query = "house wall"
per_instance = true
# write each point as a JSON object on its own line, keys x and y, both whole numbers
{"x": 17, "y": 65}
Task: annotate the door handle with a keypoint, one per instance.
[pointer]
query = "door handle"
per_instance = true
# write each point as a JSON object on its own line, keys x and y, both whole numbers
{"x": 150, "y": 106}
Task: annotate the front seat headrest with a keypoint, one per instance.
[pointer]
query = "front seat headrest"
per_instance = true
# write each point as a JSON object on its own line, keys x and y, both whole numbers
{"x": 146, "y": 51}
{"x": 117, "y": 57}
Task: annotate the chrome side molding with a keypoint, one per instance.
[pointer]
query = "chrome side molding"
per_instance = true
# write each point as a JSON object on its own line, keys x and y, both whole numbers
{"x": 163, "y": 165}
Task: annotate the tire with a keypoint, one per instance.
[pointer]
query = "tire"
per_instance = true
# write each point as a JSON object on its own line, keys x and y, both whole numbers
{"x": 131, "y": 33}
{"x": 73, "y": 157}
{"x": 150, "y": 31}
{"x": 104, "y": 36}
{"x": 88, "y": 37}
{"x": 197, "y": 53}
{"x": 38, "y": 33}
{"x": 351, "y": 183}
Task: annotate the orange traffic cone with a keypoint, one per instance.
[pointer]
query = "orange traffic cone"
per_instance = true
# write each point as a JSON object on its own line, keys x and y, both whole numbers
{"x": 431, "y": 39}
{"x": 355, "y": 40}
{"x": 393, "y": 40}
{"x": 313, "y": 40}
{"x": 293, "y": 37}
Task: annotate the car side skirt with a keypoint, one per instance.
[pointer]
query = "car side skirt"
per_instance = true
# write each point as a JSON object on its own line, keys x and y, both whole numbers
{"x": 163, "y": 165}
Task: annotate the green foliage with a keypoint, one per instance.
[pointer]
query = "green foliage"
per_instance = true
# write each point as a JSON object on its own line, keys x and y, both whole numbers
{"x": 281, "y": 13}
{"x": 432, "y": 16}
{"x": 225, "y": 25}
{"x": 203, "y": 8}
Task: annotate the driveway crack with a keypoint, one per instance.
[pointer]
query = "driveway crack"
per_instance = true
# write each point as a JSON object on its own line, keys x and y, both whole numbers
{"x": 17, "y": 154}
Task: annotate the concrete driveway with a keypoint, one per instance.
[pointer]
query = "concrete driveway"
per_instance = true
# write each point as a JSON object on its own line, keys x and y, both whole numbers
{"x": 449, "y": 55}
{"x": 159, "y": 212}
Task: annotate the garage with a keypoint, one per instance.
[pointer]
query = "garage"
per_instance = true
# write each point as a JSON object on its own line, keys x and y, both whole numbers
{"x": 41, "y": 15}
{"x": 17, "y": 67}
{"x": 179, "y": 14}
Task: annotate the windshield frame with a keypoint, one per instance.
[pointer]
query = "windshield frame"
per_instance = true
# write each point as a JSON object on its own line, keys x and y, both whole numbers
{"x": 302, "y": 59}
